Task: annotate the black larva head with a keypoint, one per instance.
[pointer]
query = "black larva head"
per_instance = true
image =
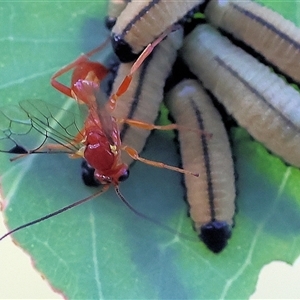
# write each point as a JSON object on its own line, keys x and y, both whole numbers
{"x": 215, "y": 235}
{"x": 122, "y": 49}
{"x": 110, "y": 22}
{"x": 87, "y": 174}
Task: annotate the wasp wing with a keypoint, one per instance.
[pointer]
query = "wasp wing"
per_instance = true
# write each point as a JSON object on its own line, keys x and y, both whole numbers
{"x": 106, "y": 119}
{"x": 34, "y": 123}
{"x": 95, "y": 99}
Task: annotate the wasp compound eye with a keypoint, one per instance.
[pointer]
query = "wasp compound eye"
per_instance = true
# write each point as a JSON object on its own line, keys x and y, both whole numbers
{"x": 124, "y": 176}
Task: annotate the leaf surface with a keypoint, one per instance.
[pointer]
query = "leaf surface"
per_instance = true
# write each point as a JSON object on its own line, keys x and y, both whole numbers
{"x": 101, "y": 249}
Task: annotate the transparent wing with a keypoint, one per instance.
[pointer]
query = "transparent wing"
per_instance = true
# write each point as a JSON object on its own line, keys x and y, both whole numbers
{"x": 96, "y": 102}
{"x": 35, "y": 123}
{"x": 107, "y": 121}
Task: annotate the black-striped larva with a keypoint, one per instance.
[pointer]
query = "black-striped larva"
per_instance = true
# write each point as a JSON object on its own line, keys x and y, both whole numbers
{"x": 211, "y": 196}
{"x": 115, "y": 7}
{"x": 145, "y": 93}
{"x": 143, "y": 21}
{"x": 258, "y": 99}
{"x": 266, "y": 31}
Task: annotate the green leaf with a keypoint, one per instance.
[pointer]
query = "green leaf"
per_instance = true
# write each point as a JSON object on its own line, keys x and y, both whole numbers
{"x": 101, "y": 249}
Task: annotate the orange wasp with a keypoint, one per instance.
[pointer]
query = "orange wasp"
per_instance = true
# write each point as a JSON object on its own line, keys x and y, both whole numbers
{"x": 98, "y": 142}
{"x": 100, "y": 134}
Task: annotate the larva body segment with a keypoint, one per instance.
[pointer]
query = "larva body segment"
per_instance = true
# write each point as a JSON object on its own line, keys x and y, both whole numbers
{"x": 115, "y": 7}
{"x": 143, "y": 21}
{"x": 145, "y": 93}
{"x": 257, "y": 98}
{"x": 211, "y": 196}
{"x": 266, "y": 31}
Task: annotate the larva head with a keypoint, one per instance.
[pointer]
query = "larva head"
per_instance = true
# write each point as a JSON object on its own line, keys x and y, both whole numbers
{"x": 110, "y": 22}
{"x": 122, "y": 49}
{"x": 87, "y": 174}
{"x": 215, "y": 235}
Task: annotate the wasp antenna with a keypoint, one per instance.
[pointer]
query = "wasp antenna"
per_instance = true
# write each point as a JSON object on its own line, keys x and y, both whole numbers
{"x": 152, "y": 220}
{"x": 55, "y": 213}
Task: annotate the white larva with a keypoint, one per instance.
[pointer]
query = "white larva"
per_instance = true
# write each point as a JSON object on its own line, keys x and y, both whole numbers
{"x": 143, "y": 98}
{"x": 211, "y": 196}
{"x": 141, "y": 22}
{"x": 115, "y": 7}
{"x": 263, "y": 29}
{"x": 258, "y": 99}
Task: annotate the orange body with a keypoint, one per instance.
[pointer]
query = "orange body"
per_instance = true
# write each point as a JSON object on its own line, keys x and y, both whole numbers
{"x": 100, "y": 134}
